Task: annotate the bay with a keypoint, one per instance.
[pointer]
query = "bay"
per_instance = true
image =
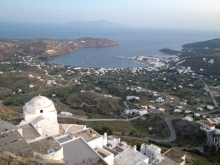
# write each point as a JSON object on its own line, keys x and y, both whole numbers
{"x": 132, "y": 42}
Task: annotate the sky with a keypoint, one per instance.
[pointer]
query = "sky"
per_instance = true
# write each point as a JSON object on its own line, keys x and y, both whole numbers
{"x": 184, "y": 14}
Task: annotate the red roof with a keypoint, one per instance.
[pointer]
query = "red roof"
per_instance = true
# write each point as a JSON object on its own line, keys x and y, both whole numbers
{"x": 207, "y": 123}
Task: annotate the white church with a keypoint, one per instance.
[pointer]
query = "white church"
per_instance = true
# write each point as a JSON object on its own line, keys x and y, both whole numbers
{"x": 42, "y": 114}
{"x": 39, "y": 133}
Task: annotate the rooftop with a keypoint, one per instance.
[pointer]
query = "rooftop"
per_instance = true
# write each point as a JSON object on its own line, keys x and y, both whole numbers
{"x": 28, "y": 131}
{"x": 129, "y": 157}
{"x": 87, "y": 135}
{"x": 153, "y": 147}
{"x": 42, "y": 146}
{"x": 13, "y": 142}
{"x": 83, "y": 154}
{"x": 6, "y": 126}
{"x": 174, "y": 155}
{"x": 207, "y": 123}
{"x": 75, "y": 128}
{"x": 64, "y": 138}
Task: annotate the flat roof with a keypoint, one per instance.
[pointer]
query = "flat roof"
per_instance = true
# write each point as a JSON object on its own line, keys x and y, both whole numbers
{"x": 174, "y": 155}
{"x": 153, "y": 147}
{"x": 129, "y": 157}
{"x": 75, "y": 128}
{"x": 28, "y": 131}
{"x": 87, "y": 134}
{"x": 78, "y": 152}
{"x": 42, "y": 146}
{"x": 6, "y": 126}
{"x": 64, "y": 138}
{"x": 13, "y": 142}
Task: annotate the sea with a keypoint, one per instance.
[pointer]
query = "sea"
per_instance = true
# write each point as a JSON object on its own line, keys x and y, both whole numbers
{"x": 131, "y": 42}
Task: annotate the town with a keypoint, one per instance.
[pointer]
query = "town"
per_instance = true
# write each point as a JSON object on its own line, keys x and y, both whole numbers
{"x": 150, "y": 107}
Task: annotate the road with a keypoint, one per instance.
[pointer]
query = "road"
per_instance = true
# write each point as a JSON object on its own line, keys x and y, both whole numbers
{"x": 210, "y": 137}
{"x": 168, "y": 120}
{"x": 208, "y": 90}
{"x": 171, "y": 138}
{"x": 172, "y": 131}
{"x": 85, "y": 119}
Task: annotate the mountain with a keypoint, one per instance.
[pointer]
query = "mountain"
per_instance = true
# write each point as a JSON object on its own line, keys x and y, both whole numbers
{"x": 96, "y": 24}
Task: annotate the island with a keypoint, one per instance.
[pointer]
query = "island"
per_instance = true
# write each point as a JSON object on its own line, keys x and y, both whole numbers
{"x": 169, "y": 51}
{"x": 47, "y": 48}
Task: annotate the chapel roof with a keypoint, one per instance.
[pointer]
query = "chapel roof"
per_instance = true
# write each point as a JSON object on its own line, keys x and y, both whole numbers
{"x": 39, "y": 102}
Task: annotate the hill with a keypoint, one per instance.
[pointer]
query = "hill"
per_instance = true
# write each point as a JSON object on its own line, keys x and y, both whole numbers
{"x": 210, "y": 44}
{"x": 47, "y": 47}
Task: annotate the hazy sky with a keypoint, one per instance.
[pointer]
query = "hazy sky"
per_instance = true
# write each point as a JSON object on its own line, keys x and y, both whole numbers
{"x": 190, "y": 14}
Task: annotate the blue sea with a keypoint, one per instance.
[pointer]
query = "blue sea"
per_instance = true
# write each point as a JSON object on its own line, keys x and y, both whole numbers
{"x": 132, "y": 42}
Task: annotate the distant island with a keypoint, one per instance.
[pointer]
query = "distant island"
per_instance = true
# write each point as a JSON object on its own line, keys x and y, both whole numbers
{"x": 96, "y": 24}
{"x": 169, "y": 51}
{"x": 47, "y": 47}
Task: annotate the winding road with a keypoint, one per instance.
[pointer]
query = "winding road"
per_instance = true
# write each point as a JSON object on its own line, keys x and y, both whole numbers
{"x": 168, "y": 120}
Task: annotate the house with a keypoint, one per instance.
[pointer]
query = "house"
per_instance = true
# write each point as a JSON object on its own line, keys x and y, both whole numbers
{"x": 150, "y": 150}
{"x": 206, "y": 125}
{"x": 177, "y": 110}
{"x": 199, "y": 109}
{"x": 209, "y": 107}
{"x": 131, "y": 157}
{"x": 159, "y": 100}
{"x": 142, "y": 112}
{"x": 188, "y": 118}
{"x": 161, "y": 109}
{"x": 152, "y": 107}
{"x": 132, "y": 97}
{"x": 197, "y": 115}
{"x": 63, "y": 113}
{"x": 212, "y": 120}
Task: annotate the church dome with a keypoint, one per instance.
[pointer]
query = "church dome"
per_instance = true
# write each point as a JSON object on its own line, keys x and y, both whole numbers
{"x": 39, "y": 102}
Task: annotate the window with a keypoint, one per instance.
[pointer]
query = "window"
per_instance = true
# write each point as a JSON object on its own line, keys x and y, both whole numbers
{"x": 41, "y": 111}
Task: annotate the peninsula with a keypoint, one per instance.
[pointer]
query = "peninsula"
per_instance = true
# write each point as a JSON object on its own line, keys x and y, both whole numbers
{"x": 47, "y": 47}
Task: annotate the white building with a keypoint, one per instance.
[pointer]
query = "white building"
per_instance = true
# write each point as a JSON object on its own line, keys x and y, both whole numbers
{"x": 159, "y": 100}
{"x": 161, "y": 109}
{"x": 68, "y": 143}
{"x": 199, "y": 109}
{"x": 150, "y": 151}
{"x": 63, "y": 113}
{"x": 206, "y": 125}
{"x": 177, "y": 110}
{"x": 188, "y": 118}
{"x": 132, "y": 97}
{"x": 42, "y": 114}
{"x": 212, "y": 120}
{"x": 209, "y": 107}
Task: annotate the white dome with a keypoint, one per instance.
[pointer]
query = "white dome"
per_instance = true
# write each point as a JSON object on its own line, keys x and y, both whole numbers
{"x": 39, "y": 102}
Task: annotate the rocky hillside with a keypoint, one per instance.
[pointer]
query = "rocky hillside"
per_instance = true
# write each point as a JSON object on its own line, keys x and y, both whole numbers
{"x": 47, "y": 47}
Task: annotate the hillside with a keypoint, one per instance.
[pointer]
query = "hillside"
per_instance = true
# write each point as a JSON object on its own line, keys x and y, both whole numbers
{"x": 210, "y": 44}
{"x": 47, "y": 47}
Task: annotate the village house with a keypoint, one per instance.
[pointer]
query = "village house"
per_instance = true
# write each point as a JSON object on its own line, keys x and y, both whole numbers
{"x": 205, "y": 125}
